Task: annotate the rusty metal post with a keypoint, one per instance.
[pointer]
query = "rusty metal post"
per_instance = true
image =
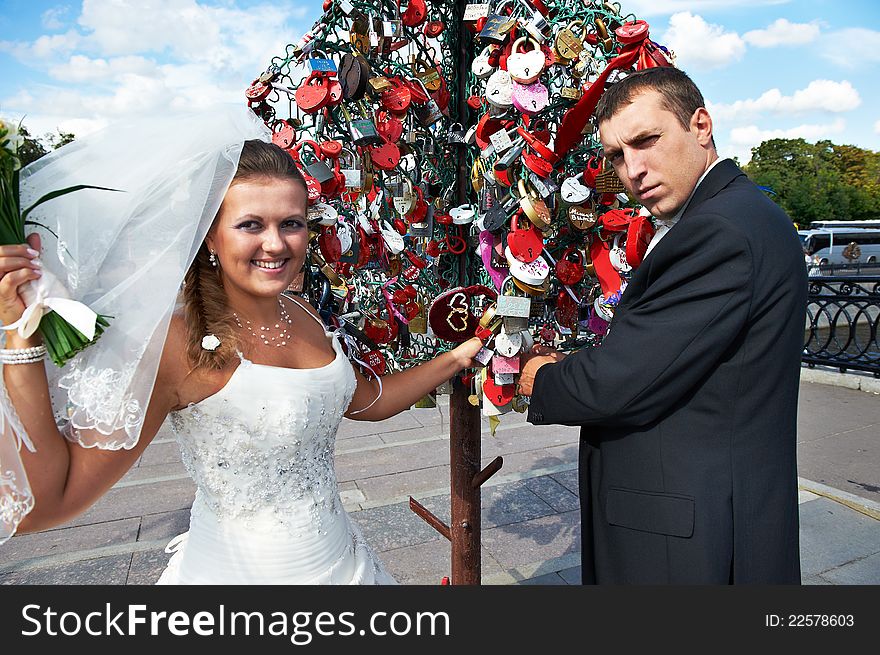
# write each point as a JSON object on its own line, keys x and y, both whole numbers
{"x": 464, "y": 418}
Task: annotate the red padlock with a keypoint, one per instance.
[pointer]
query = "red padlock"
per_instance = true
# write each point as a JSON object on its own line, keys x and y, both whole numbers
{"x": 331, "y": 149}
{"x": 433, "y": 29}
{"x": 432, "y": 249}
{"x": 566, "y": 310}
{"x": 389, "y": 127}
{"x": 398, "y": 98}
{"x": 638, "y": 237}
{"x": 526, "y": 245}
{"x": 283, "y": 134}
{"x": 591, "y": 171}
{"x": 385, "y": 156}
{"x": 313, "y": 94}
{"x": 329, "y": 245}
{"x": 567, "y": 271}
{"x": 498, "y": 394}
{"x": 415, "y": 14}
{"x": 257, "y": 91}
{"x": 376, "y": 361}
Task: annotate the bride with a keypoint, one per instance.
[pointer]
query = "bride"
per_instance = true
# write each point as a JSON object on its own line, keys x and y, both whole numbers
{"x": 254, "y": 386}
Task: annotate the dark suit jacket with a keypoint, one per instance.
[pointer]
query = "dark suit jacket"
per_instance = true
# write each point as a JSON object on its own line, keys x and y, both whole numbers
{"x": 689, "y": 407}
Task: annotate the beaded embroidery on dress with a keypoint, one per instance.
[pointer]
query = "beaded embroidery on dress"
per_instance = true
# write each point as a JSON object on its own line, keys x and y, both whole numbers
{"x": 267, "y": 508}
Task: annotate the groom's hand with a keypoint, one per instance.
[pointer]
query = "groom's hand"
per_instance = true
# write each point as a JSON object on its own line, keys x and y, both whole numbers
{"x": 540, "y": 356}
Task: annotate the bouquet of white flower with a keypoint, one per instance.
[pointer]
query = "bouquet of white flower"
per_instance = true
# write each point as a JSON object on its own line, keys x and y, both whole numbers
{"x": 65, "y": 325}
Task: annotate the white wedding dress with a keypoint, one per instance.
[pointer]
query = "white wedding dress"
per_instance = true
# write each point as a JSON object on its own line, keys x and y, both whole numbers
{"x": 267, "y": 508}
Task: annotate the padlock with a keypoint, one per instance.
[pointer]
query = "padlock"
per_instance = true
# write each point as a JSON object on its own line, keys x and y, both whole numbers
{"x": 363, "y": 130}
{"x": 416, "y": 13}
{"x": 499, "y": 89}
{"x": 313, "y": 94}
{"x": 569, "y": 45}
{"x": 530, "y": 99}
{"x": 455, "y": 135}
{"x": 526, "y": 244}
{"x": 481, "y": 66}
{"x": 351, "y": 169}
{"x": 525, "y": 67}
{"x": 510, "y": 305}
{"x": 535, "y": 209}
{"x": 573, "y": 191}
{"x": 533, "y": 274}
{"x": 354, "y": 74}
{"x": 582, "y": 217}
{"x": 567, "y": 271}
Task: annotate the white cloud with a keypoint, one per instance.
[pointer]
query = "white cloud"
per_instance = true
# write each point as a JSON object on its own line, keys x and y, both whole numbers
{"x": 851, "y": 48}
{"x": 124, "y": 59}
{"x": 819, "y": 95}
{"x": 783, "y": 32}
{"x": 55, "y": 18}
{"x": 699, "y": 45}
{"x": 642, "y": 8}
{"x": 877, "y": 127}
{"x": 743, "y": 139}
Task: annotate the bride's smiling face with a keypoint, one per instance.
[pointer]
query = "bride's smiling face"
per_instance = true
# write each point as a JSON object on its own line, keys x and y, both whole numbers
{"x": 261, "y": 235}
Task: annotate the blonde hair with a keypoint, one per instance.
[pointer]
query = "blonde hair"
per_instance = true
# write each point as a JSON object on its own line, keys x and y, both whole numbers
{"x": 206, "y": 307}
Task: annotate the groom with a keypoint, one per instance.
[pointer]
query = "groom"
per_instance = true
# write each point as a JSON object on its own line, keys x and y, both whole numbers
{"x": 688, "y": 408}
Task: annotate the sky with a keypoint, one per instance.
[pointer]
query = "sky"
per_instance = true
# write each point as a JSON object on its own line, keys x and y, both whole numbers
{"x": 767, "y": 68}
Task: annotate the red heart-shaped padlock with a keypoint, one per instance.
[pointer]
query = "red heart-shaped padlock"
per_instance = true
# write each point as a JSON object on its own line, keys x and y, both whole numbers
{"x": 525, "y": 244}
{"x": 331, "y": 149}
{"x": 570, "y": 267}
{"x": 389, "y": 127}
{"x": 398, "y": 98}
{"x": 566, "y": 310}
{"x": 283, "y": 134}
{"x": 432, "y": 249}
{"x": 591, "y": 170}
{"x": 415, "y": 14}
{"x": 385, "y": 156}
{"x": 498, "y": 394}
{"x": 412, "y": 309}
{"x": 313, "y": 94}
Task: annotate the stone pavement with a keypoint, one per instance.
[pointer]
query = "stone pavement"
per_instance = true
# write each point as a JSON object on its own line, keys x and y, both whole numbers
{"x": 530, "y": 518}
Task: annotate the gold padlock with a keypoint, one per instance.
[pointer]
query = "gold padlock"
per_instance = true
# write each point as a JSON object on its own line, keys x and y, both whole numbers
{"x": 607, "y": 181}
{"x": 419, "y": 323}
{"x": 604, "y": 39}
{"x": 568, "y": 46}
{"x": 535, "y": 208}
{"x": 582, "y": 217}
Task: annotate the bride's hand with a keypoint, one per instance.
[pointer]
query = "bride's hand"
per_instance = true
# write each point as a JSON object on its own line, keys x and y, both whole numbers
{"x": 17, "y": 266}
{"x": 465, "y": 353}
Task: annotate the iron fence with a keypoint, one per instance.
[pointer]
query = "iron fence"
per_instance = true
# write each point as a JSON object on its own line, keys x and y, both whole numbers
{"x": 843, "y": 313}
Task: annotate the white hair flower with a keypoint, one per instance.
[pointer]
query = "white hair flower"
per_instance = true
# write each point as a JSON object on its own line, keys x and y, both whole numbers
{"x": 210, "y": 342}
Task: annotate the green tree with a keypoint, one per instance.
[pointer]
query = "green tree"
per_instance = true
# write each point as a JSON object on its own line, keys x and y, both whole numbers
{"x": 820, "y": 181}
{"x": 31, "y": 148}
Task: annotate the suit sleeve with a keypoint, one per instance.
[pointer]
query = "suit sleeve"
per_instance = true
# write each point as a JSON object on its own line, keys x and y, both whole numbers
{"x": 661, "y": 344}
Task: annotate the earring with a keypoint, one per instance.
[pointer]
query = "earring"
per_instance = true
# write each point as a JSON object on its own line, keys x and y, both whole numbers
{"x": 213, "y": 259}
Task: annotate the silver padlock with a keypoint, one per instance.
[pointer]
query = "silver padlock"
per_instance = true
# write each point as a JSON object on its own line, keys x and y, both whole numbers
{"x": 455, "y": 136}
{"x": 484, "y": 356}
{"x": 503, "y": 378}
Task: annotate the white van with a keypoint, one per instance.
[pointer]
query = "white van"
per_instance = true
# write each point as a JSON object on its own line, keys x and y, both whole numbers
{"x": 840, "y": 245}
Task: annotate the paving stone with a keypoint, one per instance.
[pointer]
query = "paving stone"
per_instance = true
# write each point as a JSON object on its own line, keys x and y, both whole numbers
{"x": 500, "y": 505}
{"x": 559, "y": 497}
{"x": 358, "y": 443}
{"x": 161, "y": 453}
{"x": 814, "y": 580}
{"x": 368, "y": 464}
{"x": 393, "y": 526}
{"x": 862, "y": 571}
{"x": 423, "y": 434}
{"x": 541, "y": 580}
{"x": 428, "y": 562}
{"x": 138, "y": 501}
{"x": 100, "y": 571}
{"x": 568, "y": 479}
{"x": 533, "y": 541}
{"x": 833, "y": 535}
{"x": 24, "y": 547}
{"x": 847, "y": 462}
{"x": 167, "y": 525}
{"x": 402, "y": 421}
{"x": 146, "y": 567}
{"x": 406, "y": 483}
{"x": 152, "y": 471}
{"x": 572, "y": 576}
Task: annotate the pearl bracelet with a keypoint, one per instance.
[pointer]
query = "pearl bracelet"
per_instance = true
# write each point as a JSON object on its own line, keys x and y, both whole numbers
{"x": 22, "y": 355}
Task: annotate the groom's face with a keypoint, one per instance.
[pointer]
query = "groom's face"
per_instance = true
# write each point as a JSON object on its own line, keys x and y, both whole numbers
{"x": 658, "y": 160}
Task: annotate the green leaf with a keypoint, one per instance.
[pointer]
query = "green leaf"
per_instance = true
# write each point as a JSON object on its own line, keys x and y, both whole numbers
{"x": 63, "y": 192}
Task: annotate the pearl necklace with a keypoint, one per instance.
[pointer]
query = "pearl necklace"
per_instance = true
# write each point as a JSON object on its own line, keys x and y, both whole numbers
{"x": 265, "y": 335}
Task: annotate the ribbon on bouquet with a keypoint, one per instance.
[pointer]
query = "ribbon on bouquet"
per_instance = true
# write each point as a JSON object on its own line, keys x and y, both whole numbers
{"x": 48, "y": 295}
